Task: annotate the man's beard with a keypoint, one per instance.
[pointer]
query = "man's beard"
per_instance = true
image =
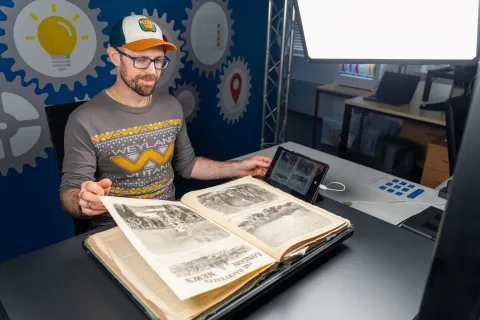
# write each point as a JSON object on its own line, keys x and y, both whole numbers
{"x": 135, "y": 85}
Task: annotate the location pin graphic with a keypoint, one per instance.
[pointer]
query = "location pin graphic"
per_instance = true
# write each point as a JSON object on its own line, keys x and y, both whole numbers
{"x": 236, "y": 81}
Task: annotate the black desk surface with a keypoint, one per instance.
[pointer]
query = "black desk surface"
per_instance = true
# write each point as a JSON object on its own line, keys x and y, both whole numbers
{"x": 379, "y": 273}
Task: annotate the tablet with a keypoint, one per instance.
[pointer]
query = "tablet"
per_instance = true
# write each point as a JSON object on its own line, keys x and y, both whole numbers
{"x": 296, "y": 174}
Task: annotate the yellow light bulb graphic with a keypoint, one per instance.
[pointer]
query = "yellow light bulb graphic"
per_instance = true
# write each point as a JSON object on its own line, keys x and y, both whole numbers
{"x": 58, "y": 37}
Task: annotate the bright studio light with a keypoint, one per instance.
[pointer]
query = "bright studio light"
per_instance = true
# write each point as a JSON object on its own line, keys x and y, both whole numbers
{"x": 422, "y": 30}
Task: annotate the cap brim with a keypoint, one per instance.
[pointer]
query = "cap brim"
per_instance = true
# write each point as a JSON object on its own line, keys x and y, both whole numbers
{"x": 145, "y": 44}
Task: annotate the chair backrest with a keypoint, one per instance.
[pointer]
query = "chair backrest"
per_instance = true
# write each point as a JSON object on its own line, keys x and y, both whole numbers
{"x": 456, "y": 114}
{"x": 57, "y": 117}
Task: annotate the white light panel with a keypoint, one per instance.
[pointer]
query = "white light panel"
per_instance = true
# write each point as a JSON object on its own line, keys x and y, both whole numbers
{"x": 431, "y": 30}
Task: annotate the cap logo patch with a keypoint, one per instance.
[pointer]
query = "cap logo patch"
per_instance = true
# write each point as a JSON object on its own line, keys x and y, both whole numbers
{"x": 147, "y": 25}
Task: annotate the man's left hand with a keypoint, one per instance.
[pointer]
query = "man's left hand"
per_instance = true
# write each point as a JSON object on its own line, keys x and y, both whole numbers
{"x": 255, "y": 166}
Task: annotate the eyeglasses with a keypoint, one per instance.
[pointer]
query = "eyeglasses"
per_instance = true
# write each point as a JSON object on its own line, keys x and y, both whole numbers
{"x": 144, "y": 63}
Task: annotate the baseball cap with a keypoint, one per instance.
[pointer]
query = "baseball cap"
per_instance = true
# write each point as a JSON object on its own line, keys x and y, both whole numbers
{"x": 138, "y": 33}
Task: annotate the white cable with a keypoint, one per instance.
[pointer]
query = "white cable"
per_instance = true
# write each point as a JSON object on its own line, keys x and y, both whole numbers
{"x": 338, "y": 190}
{"x": 374, "y": 202}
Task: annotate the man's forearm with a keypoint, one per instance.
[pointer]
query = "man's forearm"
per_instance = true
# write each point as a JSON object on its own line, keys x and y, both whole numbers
{"x": 206, "y": 169}
{"x": 69, "y": 200}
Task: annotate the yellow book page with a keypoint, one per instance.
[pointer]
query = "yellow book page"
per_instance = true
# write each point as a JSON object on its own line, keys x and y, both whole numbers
{"x": 113, "y": 247}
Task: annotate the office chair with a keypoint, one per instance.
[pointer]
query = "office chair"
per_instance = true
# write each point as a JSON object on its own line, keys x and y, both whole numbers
{"x": 57, "y": 117}
{"x": 456, "y": 113}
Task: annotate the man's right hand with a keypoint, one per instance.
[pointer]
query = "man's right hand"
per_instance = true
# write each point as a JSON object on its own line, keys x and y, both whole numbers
{"x": 88, "y": 200}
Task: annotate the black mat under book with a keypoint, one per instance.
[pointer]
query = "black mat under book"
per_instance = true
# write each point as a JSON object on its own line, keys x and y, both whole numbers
{"x": 275, "y": 281}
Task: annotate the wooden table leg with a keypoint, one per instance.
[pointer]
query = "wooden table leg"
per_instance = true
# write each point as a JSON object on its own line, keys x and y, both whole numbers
{"x": 315, "y": 119}
{"x": 347, "y": 116}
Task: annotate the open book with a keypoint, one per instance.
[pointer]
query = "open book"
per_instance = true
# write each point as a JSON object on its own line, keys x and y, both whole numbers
{"x": 185, "y": 258}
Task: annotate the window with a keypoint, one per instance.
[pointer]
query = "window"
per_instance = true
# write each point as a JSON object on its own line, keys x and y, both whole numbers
{"x": 297, "y": 42}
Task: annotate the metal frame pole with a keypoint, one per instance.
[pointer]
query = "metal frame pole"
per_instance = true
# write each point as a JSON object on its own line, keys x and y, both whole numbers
{"x": 280, "y": 80}
{"x": 265, "y": 82}
{"x": 277, "y": 77}
{"x": 289, "y": 74}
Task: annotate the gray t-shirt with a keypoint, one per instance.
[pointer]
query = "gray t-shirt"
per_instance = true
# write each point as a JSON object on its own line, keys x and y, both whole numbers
{"x": 138, "y": 148}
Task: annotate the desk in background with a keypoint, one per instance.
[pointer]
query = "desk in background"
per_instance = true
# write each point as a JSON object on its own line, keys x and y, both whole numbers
{"x": 334, "y": 90}
{"x": 411, "y": 112}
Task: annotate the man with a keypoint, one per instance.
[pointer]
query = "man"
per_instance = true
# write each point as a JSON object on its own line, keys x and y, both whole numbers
{"x": 130, "y": 140}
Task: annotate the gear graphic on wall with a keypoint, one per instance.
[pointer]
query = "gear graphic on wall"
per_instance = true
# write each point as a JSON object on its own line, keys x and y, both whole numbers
{"x": 85, "y": 98}
{"x": 208, "y": 34}
{"x": 189, "y": 99}
{"x": 234, "y": 90}
{"x": 31, "y": 47}
{"x": 169, "y": 75}
{"x": 24, "y": 133}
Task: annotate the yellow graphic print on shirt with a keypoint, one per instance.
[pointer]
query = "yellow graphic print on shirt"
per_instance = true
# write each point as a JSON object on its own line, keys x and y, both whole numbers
{"x": 147, "y": 155}
{"x": 115, "y": 134}
{"x": 148, "y": 192}
{"x": 139, "y": 159}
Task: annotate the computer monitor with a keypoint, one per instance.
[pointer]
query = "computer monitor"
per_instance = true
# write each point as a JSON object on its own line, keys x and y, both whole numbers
{"x": 452, "y": 290}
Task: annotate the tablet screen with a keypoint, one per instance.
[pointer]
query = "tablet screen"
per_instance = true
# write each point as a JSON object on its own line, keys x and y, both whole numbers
{"x": 295, "y": 172}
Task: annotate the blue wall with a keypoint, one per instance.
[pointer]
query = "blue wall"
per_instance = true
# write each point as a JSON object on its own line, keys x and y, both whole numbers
{"x": 31, "y": 216}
